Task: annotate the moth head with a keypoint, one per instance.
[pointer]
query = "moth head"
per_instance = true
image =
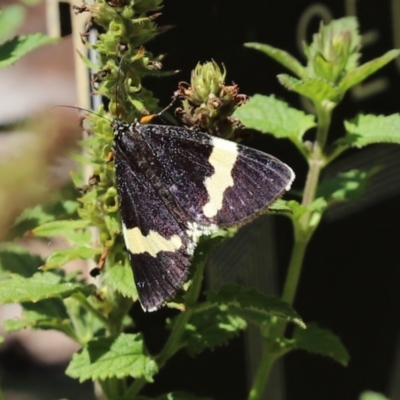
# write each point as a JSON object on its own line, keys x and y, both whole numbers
{"x": 119, "y": 127}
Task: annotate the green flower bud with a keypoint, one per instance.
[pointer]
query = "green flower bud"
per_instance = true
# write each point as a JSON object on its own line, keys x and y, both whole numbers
{"x": 206, "y": 79}
{"x": 334, "y": 49}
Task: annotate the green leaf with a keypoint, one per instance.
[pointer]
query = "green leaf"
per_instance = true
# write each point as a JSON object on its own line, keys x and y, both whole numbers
{"x": 12, "y": 50}
{"x": 40, "y": 214}
{"x": 362, "y": 72}
{"x": 279, "y": 206}
{"x": 45, "y": 314}
{"x": 270, "y": 115}
{"x": 113, "y": 357}
{"x": 120, "y": 278}
{"x": 281, "y": 56}
{"x": 321, "y": 341}
{"x": 60, "y": 257}
{"x": 174, "y": 396}
{"x": 317, "y": 89}
{"x": 72, "y": 230}
{"x": 11, "y": 18}
{"x": 89, "y": 63}
{"x": 315, "y": 209}
{"x": 345, "y": 186}
{"x": 368, "y": 395}
{"x": 369, "y": 129}
{"x": 210, "y": 328}
{"x": 298, "y": 210}
{"x": 247, "y": 298}
{"x": 42, "y": 285}
{"x": 17, "y": 260}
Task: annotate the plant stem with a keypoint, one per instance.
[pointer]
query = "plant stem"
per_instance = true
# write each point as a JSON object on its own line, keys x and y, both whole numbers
{"x": 263, "y": 371}
{"x": 317, "y": 160}
{"x": 112, "y": 388}
{"x": 303, "y": 230}
{"x": 294, "y": 271}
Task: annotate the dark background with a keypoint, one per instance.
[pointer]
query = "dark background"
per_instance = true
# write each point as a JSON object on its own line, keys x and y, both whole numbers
{"x": 351, "y": 276}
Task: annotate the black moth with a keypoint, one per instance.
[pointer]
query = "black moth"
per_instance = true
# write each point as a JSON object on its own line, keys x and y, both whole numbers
{"x": 175, "y": 185}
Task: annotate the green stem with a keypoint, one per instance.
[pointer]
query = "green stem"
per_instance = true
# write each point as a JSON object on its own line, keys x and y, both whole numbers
{"x": 112, "y": 388}
{"x": 315, "y": 166}
{"x": 303, "y": 231}
{"x": 324, "y": 115}
{"x": 88, "y": 307}
{"x": 317, "y": 160}
{"x": 263, "y": 371}
{"x": 294, "y": 271}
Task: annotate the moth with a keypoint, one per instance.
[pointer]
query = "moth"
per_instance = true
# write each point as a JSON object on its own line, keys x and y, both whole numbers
{"x": 175, "y": 185}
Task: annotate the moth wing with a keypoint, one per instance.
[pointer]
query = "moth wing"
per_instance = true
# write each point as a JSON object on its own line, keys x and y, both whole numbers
{"x": 215, "y": 181}
{"x": 157, "y": 242}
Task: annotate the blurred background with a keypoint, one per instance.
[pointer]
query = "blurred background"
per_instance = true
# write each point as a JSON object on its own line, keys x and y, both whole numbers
{"x": 351, "y": 278}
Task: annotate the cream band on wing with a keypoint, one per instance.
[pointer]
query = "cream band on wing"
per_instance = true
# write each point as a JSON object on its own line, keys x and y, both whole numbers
{"x": 222, "y": 158}
{"x": 153, "y": 243}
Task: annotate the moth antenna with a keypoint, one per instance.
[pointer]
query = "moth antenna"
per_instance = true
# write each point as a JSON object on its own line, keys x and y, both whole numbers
{"x": 148, "y": 118}
{"x": 82, "y": 109}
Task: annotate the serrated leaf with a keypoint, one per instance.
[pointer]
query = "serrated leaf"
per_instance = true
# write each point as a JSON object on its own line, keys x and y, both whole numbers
{"x": 60, "y": 257}
{"x": 120, "y": 278}
{"x": 72, "y": 230}
{"x": 362, "y": 72}
{"x": 247, "y": 298}
{"x": 12, "y": 50}
{"x": 369, "y": 129}
{"x": 11, "y": 18}
{"x": 321, "y": 341}
{"x": 281, "y": 56}
{"x": 368, "y": 395}
{"x": 210, "y": 328}
{"x": 173, "y": 396}
{"x": 317, "y": 89}
{"x": 17, "y": 260}
{"x": 45, "y": 314}
{"x": 345, "y": 186}
{"x": 42, "y": 285}
{"x": 113, "y": 357}
{"x": 270, "y": 115}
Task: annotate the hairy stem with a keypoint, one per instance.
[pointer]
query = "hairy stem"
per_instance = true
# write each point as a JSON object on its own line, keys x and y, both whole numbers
{"x": 303, "y": 230}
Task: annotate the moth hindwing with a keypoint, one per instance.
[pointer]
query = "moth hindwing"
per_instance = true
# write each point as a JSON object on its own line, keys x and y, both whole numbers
{"x": 175, "y": 185}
